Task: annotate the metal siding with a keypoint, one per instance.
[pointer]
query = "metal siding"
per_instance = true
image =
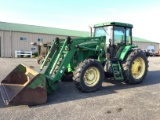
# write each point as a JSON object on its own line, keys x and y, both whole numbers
{"x": 18, "y": 44}
{"x": 143, "y": 45}
{"x": 7, "y": 43}
{"x": 1, "y": 47}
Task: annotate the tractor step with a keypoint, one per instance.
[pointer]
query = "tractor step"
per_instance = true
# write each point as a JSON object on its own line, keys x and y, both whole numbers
{"x": 117, "y": 71}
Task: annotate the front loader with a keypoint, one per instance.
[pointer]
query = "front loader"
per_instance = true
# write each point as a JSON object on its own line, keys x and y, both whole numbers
{"x": 85, "y": 60}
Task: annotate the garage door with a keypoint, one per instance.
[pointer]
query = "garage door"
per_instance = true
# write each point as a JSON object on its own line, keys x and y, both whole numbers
{"x": 151, "y": 47}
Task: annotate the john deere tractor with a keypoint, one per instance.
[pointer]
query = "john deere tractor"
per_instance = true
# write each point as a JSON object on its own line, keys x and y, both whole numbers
{"x": 87, "y": 60}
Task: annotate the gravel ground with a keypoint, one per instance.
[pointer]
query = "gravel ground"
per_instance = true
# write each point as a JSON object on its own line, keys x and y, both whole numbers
{"x": 114, "y": 101}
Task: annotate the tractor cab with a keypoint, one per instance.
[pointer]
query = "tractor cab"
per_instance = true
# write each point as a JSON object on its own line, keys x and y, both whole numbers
{"x": 118, "y": 35}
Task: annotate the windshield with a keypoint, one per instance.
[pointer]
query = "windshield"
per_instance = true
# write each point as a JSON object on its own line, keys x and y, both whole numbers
{"x": 103, "y": 31}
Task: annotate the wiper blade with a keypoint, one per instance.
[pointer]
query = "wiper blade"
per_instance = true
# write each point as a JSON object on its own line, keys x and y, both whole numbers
{"x": 105, "y": 30}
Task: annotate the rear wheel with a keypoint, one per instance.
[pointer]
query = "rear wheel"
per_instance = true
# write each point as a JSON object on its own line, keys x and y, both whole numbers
{"x": 89, "y": 75}
{"x": 135, "y": 67}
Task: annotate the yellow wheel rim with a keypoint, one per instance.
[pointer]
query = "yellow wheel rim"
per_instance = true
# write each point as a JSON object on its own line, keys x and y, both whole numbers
{"x": 138, "y": 68}
{"x": 91, "y": 76}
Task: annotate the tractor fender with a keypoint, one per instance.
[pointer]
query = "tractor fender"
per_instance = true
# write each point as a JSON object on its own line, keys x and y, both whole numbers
{"x": 125, "y": 50}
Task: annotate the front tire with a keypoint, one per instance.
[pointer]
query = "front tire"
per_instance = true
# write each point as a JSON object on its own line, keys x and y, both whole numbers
{"x": 89, "y": 75}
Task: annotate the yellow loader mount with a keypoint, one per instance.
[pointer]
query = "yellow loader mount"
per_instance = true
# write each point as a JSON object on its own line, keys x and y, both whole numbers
{"x": 84, "y": 60}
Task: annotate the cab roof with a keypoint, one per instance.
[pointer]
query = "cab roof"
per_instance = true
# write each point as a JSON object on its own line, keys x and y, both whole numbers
{"x": 114, "y": 23}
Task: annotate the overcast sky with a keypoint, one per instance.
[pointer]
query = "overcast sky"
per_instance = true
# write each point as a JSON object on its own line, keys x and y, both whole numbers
{"x": 78, "y": 14}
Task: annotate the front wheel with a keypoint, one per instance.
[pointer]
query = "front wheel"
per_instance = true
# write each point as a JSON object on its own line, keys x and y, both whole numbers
{"x": 89, "y": 75}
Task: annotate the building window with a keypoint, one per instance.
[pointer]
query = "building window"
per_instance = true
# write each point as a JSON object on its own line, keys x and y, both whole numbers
{"x": 23, "y": 38}
{"x": 40, "y": 39}
{"x": 33, "y": 49}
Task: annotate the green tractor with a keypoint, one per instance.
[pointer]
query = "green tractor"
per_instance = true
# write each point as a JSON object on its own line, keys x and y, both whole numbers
{"x": 87, "y": 60}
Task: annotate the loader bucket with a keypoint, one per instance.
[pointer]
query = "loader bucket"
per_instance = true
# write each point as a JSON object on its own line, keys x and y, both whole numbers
{"x": 24, "y": 86}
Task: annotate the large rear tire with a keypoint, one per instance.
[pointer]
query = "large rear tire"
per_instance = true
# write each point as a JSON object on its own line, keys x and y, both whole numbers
{"x": 135, "y": 67}
{"x": 89, "y": 75}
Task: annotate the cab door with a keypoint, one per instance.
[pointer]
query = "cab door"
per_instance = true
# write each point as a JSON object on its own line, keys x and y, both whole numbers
{"x": 118, "y": 40}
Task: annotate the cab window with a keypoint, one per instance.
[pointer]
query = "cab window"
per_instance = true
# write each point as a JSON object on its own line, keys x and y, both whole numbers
{"x": 128, "y": 36}
{"x": 119, "y": 33}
